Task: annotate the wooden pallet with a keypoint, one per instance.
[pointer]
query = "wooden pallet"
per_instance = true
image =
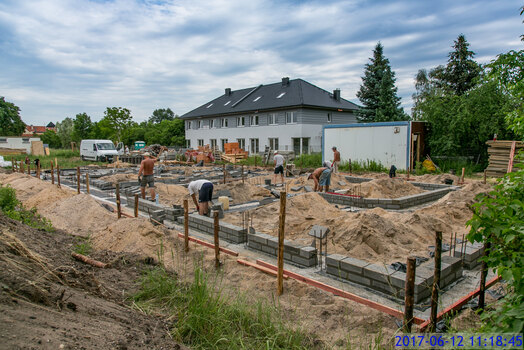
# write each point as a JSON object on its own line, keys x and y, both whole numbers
{"x": 502, "y": 157}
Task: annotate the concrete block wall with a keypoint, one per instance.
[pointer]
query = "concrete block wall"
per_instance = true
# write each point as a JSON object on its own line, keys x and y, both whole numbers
{"x": 471, "y": 255}
{"x": 158, "y": 212}
{"x": 305, "y": 256}
{"x": 228, "y": 232}
{"x": 386, "y": 280}
{"x": 386, "y": 203}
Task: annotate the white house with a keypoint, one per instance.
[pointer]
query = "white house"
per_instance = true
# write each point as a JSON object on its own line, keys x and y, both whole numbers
{"x": 288, "y": 116}
{"x": 17, "y": 142}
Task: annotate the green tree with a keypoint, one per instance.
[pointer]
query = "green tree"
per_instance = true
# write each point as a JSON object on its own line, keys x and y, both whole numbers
{"x": 160, "y": 115}
{"x": 64, "y": 130}
{"x": 10, "y": 122}
{"x": 119, "y": 119}
{"x": 81, "y": 127}
{"x": 378, "y": 93}
{"x": 51, "y": 138}
{"x": 102, "y": 130}
{"x": 507, "y": 70}
{"x": 461, "y": 71}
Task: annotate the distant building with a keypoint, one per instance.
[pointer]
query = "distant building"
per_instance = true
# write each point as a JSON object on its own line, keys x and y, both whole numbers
{"x": 287, "y": 116}
{"x": 31, "y": 130}
{"x": 21, "y": 143}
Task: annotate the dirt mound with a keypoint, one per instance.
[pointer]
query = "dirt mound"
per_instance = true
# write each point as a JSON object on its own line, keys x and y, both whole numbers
{"x": 49, "y": 300}
{"x": 173, "y": 194}
{"x": 33, "y": 192}
{"x": 114, "y": 179}
{"x": 386, "y": 188}
{"x": 80, "y": 215}
{"x": 131, "y": 236}
{"x": 436, "y": 179}
{"x": 243, "y": 192}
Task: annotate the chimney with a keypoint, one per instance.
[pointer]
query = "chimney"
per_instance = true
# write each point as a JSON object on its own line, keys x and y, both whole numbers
{"x": 228, "y": 91}
{"x": 285, "y": 81}
{"x": 336, "y": 94}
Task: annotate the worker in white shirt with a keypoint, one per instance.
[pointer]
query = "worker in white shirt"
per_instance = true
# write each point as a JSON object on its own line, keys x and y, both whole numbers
{"x": 279, "y": 167}
{"x": 204, "y": 188}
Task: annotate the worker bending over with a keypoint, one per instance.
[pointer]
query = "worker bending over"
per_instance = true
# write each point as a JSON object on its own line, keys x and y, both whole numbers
{"x": 322, "y": 178}
{"x": 204, "y": 188}
{"x": 147, "y": 170}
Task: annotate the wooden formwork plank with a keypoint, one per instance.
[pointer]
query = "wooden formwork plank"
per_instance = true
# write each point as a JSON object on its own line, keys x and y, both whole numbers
{"x": 339, "y": 292}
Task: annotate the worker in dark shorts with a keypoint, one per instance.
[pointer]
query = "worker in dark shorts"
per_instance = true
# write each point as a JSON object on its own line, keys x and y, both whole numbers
{"x": 204, "y": 188}
{"x": 279, "y": 167}
{"x": 147, "y": 170}
{"x": 322, "y": 178}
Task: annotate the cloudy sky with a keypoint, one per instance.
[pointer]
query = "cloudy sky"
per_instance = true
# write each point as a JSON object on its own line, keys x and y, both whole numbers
{"x": 59, "y": 58}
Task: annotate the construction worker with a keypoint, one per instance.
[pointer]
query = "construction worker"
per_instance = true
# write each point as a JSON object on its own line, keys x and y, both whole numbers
{"x": 279, "y": 167}
{"x": 322, "y": 178}
{"x": 204, "y": 188}
{"x": 336, "y": 159}
{"x": 147, "y": 169}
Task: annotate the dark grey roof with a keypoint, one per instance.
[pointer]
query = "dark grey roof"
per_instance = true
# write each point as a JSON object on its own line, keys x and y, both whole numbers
{"x": 298, "y": 93}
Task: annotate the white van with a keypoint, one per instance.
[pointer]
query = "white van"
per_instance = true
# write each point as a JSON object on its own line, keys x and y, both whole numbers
{"x": 98, "y": 150}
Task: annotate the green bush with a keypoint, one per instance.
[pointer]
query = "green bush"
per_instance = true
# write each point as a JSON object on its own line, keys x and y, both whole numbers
{"x": 8, "y": 201}
{"x": 498, "y": 219}
{"x": 368, "y": 165}
{"x": 313, "y": 160}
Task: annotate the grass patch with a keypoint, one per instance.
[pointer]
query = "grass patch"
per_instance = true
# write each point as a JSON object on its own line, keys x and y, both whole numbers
{"x": 83, "y": 246}
{"x": 206, "y": 319}
{"x": 313, "y": 160}
{"x": 66, "y": 159}
{"x": 14, "y": 209}
{"x": 363, "y": 166}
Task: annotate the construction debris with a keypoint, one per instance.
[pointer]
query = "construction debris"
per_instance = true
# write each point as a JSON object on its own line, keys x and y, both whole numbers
{"x": 502, "y": 157}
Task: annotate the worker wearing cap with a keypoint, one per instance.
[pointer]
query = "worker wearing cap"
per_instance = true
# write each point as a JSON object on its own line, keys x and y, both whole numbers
{"x": 146, "y": 169}
{"x": 279, "y": 167}
{"x": 204, "y": 188}
{"x": 322, "y": 178}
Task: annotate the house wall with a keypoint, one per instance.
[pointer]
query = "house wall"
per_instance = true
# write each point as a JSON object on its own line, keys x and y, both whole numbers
{"x": 386, "y": 143}
{"x": 17, "y": 142}
{"x": 308, "y": 124}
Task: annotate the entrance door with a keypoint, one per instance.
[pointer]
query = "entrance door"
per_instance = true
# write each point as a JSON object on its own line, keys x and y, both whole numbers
{"x": 296, "y": 146}
{"x": 254, "y": 146}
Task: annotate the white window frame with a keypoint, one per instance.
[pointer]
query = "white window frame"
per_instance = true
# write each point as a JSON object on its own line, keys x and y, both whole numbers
{"x": 188, "y": 125}
{"x": 272, "y": 119}
{"x": 213, "y": 143}
{"x": 223, "y": 143}
{"x": 251, "y": 149}
{"x": 200, "y": 142}
{"x": 199, "y": 124}
{"x": 273, "y": 143}
{"x": 329, "y": 117}
{"x": 25, "y": 140}
{"x": 255, "y": 120}
{"x": 281, "y": 95}
{"x": 3, "y": 139}
{"x": 188, "y": 143}
{"x": 224, "y": 123}
{"x": 242, "y": 143}
{"x": 293, "y": 119}
{"x": 241, "y": 122}
{"x": 211, "y": 123}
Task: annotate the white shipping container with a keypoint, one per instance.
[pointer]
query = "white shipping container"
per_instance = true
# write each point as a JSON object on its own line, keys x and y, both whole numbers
{"x": 387, "y": 143}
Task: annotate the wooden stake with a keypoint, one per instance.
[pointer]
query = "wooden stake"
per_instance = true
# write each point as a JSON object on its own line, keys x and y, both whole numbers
{"x": 22, "y": 169}
{"x": 78, "y": 179}
{"x": 436, "y": 282}
{"x": 186, "y": 225}
{"x": 217, "y": 245}
{"x": 13, "y": 164}
{"x": 87, "y": 183}
{"x": 451, "y": 243}
{"x": 462, "y": 177}
{"x": 483, "y": 274}
{"x": 118, "y": 208}
{"x": 38, "y": 170}
{"x": 56, "y": 163}
{"x": 409, "y": 299}
{"x": 282, "y": 223}
{"x": 52, "y": 174}
{"x": 136, "y": 205}
{"x": 485, "y": 173}
{"x": 58, "y": 174}
{"x": 29, "y": 169}
{"x": 242, "y": 173}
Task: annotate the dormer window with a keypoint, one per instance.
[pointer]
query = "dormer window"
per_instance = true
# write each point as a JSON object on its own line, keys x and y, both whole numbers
{"x": 256, "y": 99}
{"x": 281, "y": 94}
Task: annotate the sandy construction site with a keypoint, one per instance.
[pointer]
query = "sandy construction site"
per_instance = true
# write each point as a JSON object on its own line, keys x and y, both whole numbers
{"x": 374, "y": 235}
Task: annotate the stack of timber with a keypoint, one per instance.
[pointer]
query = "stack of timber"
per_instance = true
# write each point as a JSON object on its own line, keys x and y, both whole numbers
{"x": 12, "y": 151}
{"x": 503, "y": 157}
{"x": 233, "y": 152}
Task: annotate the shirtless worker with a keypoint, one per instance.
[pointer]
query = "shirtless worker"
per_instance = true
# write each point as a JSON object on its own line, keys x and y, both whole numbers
{"x": 146, "y": 169}
{"x": 336, "y": 159}
{"x": 322, "y": 178}
{"x": 204, "y": 188}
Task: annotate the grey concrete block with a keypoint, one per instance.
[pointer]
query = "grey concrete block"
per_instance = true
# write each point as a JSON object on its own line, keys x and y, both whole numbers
{"x": 331, "y": 270}
{"x": 269, "y": 250}
{"x": 334, "y": 260}
{"x": 301, "y": 261}
{"x": 353, "y": 265}
{"x": 296, "y": 188}
{"x": 308, "y": 252}
{"x": 308, "y": 188}
{"x": 398, "y": 279}
{"x": 377, "y": 272}
{"x": 358, "y": 279}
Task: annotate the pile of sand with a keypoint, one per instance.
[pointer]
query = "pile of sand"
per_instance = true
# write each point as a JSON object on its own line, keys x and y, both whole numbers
{"x": 114, "y": 179}
{"x": 436, "y": 179}
{"x": 33, "y": 192}
{"x": 243, "y": 192}
{"x": 79, "y": 215}
{"x": 132, "y": 235}
{"x": 173, "y": 194}
{"x": 385, "y": 188}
